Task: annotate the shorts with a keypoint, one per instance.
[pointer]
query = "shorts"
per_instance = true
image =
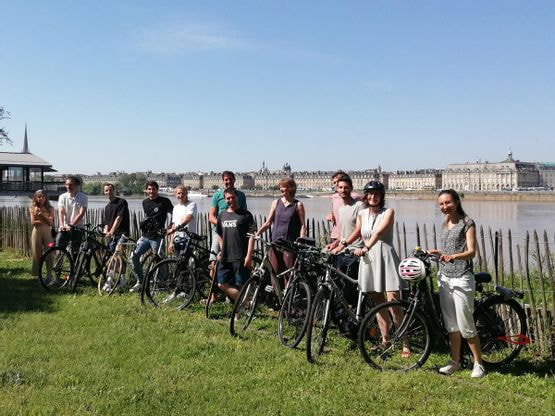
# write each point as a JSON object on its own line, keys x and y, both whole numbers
{"x": 232, "y": 272}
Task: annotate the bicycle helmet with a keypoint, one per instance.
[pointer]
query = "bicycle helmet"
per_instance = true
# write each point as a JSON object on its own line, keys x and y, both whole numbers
{"x": 412, "y": 269}
{"x": 179, "y": 242}
{"x": 374, "y": 186}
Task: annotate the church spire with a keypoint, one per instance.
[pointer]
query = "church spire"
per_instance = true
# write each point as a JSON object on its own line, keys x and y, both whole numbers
{"x": 25, "y": 142}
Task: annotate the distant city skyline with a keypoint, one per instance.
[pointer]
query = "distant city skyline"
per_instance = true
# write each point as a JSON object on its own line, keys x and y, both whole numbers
{"x": 197, "y": 86}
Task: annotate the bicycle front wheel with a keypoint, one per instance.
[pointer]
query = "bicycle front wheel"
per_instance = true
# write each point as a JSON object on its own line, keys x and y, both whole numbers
{"x": 293, "y": 314}
{"x": 170, "y": 283}
{"x": 97, "y": 263}
{"x": 318, "y": 324}
{"x": 245, "y": 305}
{"x": 109, "y": 280}
{"x": 501, "y": 326}
{"x": 393, "y": 336}
{"x": 55, "y": 269}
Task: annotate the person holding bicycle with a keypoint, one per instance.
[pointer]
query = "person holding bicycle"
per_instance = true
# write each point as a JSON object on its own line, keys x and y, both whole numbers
{"x": 156, "y": 208}
{"x": 184, "y": 213}
{"x": 287, "y": 215}
{"x": 72, "y": 206}
{"x": 115, "y": 217}
{"x": 237, "y": 248}
{"x": 456, "y": 281}
{"x": 377, "y": 272}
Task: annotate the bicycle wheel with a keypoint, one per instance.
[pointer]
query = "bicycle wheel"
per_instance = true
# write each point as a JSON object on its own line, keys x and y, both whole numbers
{"x": 55, "y": 269}
{"x": 170, "y": 283}
{"x": 293, "y": 314}
{"x": 245, "y": 305}
{"x": 318, "y": 324}
{"x": 393, "y": 336}
{"x": 109, "y": 280}
{"x": 501, "y": 326}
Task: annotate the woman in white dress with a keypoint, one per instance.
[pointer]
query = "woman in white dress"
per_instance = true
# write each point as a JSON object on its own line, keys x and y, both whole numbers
{"x": 377, "y": 273}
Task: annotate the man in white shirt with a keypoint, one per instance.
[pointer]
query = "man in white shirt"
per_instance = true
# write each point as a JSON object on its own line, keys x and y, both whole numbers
{"x": 185, "y": 212}
{"x": 72, "y": 206}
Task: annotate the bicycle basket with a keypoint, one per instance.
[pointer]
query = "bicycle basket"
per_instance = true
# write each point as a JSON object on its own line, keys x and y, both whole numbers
{"x": 412, "y": 269}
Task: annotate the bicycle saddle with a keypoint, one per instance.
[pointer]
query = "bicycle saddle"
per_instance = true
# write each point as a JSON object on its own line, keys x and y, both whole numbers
{"x": 482, "y": 277}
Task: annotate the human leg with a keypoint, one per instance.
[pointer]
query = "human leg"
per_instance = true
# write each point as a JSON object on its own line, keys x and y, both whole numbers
{"x": 143, "y": 245}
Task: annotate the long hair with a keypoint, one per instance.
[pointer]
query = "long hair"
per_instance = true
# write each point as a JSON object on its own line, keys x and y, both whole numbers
{"x": 46, "y": 202}
{"x": 456, "y": 199}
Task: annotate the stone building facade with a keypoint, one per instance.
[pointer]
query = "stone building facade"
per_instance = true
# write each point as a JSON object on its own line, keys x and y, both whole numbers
{"x": 424, "y": 179}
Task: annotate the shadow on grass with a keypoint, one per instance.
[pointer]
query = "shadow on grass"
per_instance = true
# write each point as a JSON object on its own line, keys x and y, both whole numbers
{"x": 22, "y": 294}
{"x": 540, "y": 368}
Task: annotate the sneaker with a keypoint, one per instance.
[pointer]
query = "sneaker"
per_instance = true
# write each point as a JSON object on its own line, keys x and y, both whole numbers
{"x": 478, "y": 371}
{"x": 135, "y": 288}
{"x": 450, "y": 368}
{"x": 106, "y": 287}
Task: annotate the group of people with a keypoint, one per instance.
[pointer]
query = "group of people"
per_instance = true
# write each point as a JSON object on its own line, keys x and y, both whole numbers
{"x": 361, "y": 224}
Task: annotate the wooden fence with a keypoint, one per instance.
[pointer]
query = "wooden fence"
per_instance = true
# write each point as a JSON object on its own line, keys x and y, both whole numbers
{"x": 532, "y": 273}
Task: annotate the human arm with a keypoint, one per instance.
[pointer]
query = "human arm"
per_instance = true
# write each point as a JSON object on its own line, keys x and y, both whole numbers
{"x": 302, "y": 216}
{"x": 270, "y": 219}
{"x": 250, "y": 251}
{"x": 352, "y": 237}
{"x": 110, "y": 231}
{"x": 34, "y": 217}
{"x": 212, "y": 215}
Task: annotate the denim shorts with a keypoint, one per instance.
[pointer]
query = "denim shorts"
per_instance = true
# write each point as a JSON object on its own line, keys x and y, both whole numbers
{"x": 232, "y": 272}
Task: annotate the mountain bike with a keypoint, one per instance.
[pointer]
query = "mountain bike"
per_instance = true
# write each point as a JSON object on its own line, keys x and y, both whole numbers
{"x": 389, "y": 327}
{"x": 330, "y": 307}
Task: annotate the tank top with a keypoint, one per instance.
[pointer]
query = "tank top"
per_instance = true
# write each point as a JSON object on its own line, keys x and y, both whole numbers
{"x": 287, "y": 224}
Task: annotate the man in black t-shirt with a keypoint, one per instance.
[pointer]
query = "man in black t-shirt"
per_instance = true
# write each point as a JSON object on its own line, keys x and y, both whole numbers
{"x": 116, "y": 217}
{"x": 237, "y": 248}
{"x": 156, "y": 210}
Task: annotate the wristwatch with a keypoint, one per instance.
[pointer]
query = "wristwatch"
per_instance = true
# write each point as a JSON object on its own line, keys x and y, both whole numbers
{"x": 343, "y": 242}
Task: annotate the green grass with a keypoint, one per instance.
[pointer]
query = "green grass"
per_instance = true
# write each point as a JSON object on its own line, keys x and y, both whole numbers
{"x": 86, "y": 354}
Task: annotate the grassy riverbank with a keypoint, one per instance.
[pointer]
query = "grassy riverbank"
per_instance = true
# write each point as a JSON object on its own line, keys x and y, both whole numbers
{"x": 83, "y": 354}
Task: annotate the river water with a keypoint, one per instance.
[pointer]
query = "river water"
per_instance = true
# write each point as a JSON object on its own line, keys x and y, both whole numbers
{"x": 518, "y": 216}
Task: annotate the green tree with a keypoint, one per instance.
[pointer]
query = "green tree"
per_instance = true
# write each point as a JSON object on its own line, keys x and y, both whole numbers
{"x": 132, "y": 183}
{"x": 3, "y": 133}
{"x": 93, "y": 188}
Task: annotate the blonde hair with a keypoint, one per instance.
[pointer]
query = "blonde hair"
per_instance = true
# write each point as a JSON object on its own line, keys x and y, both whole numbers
{"x": 35, "y": 202}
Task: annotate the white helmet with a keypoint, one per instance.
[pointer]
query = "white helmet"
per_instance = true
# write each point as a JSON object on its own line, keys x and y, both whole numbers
{"x": 412, "y": 269}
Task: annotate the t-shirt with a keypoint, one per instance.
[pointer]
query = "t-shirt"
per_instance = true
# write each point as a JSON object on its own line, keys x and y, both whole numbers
{"x": 181, "y": 211}
{"x": 219, "y": 202}
{"x": 453, "y": 241}
{"x": 72, "y": 206}
{"x": 158, "y": 209}
{"x": 336, "y": 202}
{"x": 117, "y": 208}
{"x": 347, "y": 220}
{"x": 233, "y": 228}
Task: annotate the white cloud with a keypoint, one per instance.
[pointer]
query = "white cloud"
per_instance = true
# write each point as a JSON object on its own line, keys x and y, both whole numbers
{"x": 191, "y": 37}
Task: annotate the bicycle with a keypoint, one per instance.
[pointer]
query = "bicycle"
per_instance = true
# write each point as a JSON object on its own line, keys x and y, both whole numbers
{"x": 329, "y": 299}
{"x": 173, "y": 282}
{"x": 91, "y": 257}
{"x": 500, "y": 322}
{"x": 263, "y": 287}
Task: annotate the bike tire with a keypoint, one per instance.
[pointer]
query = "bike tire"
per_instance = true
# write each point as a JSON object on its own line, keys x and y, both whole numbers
{"x": 294, "y": 313}
{"x": 244, "y": 307}
{"x": 170, "y": 283}
{"x": 413, "y": 331}
{"x": 502, "y": 329}
{"x": 318, "y": 324}
{"x": 109, "y": 280}
{"x": 97, "y": 263}
{"x": 58, "y": 275}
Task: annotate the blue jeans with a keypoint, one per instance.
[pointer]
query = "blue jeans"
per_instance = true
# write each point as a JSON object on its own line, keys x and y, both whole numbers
{"x": 349, "y": 266}
{"x": 143, "y": 245}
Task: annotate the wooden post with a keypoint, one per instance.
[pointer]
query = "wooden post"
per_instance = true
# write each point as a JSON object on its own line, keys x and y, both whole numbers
{"x": 484, "y": 254}
{"x": 511, "y": 263}
{"x": 551, "y": 276}
{"x": 435, "y": 236}
{"x": 500, "y": 261}
{"x": 418, "y": 243}
{"x": 546, "y": 327}
{"x": 534, "y": 312}
{"x": 398, "y": 238}
{"x": 405, "y": 239}
{"x": 426, "y": 237}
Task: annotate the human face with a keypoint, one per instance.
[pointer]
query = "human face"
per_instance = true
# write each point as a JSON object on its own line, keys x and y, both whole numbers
{"x": 152, "y": 192}
{"x": 447, "y": 204}
{"x": 374, "y": 198}
{"x": 334, "y": 181}
{"x": 181, "y": 194}
{"x": 70, "y": 186}
{"x": 229, "y": 182}
{"x": 109, "y": 192}
{"x": 231, "y": 200}
{"x": 40, "y": 198}
{"x": 344, "y": 190}
{"x": 285, "y": 190}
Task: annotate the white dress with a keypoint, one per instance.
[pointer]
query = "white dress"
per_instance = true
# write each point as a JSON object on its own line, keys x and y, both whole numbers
{"x": 377, "y": 270}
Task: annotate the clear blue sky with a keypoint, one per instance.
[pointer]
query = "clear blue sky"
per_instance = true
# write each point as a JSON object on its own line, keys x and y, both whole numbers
{"x": 209, "y": 85}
